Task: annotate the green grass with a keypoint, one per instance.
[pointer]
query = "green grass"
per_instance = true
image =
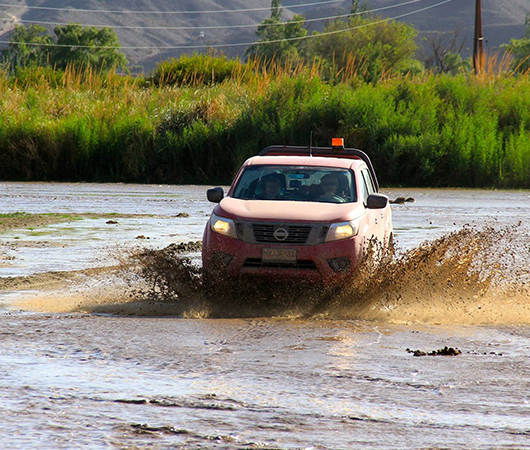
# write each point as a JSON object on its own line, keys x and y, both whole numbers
{"x": 21, "y": 214}
{"x": 39, "y": 233}
{"x": 18, "y": 214}
{"x": 420, "y": 131}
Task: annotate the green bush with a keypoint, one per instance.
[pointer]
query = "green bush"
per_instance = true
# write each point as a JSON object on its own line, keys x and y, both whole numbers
{"x": 197, "y": 69}
{"x": 419, "y": 131}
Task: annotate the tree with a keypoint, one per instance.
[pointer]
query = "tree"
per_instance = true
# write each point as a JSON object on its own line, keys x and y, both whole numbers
{"x": 87, "y": 47}
{"x": 72, "y": 45}
{"x": 442, "y": 53}
{"x": 277, "y": 39}
{"x": 21, "y": 53}
{"x": 520, "y": 49}
{"x": 276, "y": 11}
{"x": 374, "y": 46}
{"x": 357, "y": 8}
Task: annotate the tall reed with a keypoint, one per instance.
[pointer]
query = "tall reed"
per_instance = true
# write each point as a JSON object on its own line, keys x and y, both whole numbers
{"x": 424, "y": 130}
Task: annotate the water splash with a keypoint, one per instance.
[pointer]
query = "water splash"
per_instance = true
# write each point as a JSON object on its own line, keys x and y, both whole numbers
{"x": 469, "y": 276}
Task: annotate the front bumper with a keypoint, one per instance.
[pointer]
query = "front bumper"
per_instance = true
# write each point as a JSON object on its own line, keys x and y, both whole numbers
{"x": 327, "y": 260}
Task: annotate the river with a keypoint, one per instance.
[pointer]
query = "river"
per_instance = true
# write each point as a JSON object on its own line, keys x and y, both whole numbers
{"x": 82, "y": 366}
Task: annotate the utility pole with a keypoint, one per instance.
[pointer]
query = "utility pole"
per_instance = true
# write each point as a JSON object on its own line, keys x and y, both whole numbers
{"x": 478, "y": 49}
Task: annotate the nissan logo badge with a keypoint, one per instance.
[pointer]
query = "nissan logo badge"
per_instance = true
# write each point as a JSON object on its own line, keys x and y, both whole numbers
{"x": 281, "y": 234}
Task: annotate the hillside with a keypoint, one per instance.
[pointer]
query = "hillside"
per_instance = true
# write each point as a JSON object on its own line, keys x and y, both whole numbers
{"x": 502, "y": 21}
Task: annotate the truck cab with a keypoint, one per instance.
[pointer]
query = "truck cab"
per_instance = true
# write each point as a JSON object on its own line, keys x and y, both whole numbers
{"x": 297, "y": 212}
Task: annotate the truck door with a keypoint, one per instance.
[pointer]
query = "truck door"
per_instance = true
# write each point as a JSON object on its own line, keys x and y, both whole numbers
{"x": 375, "y": 217}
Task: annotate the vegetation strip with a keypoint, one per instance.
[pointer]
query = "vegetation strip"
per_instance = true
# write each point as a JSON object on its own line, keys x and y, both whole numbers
{"x": 66, "y": 116}
{"x": 23, "y": 220}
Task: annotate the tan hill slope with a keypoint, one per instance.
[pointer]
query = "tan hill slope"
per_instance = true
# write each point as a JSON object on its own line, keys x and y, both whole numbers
{"x": 174, "y": 27}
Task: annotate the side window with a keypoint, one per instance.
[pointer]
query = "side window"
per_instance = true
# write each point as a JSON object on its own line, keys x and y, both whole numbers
{"x": 369, "y": 181}
{"x": 364, "y": 189}
{"x": 367, "y": 184}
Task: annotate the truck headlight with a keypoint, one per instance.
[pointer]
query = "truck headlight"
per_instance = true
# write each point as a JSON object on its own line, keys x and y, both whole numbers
{"x": 223, "y": 226}
{"x": 342, "y": 230}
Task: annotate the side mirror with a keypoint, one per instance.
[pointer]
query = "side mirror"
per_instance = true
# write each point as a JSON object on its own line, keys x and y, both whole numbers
{"x": 215, "y": 195}
{"x": 377, "y": 201}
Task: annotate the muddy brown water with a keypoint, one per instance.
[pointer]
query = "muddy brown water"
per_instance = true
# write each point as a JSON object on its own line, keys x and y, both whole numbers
{"x": 84, "y": 364}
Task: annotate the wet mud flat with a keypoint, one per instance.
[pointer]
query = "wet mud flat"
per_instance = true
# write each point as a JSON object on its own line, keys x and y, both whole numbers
{"x": 135, "y": 352}
{"x": 71, "y": 381}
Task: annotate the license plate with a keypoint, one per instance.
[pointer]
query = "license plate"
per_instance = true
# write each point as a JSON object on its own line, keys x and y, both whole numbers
{"x": 278, "y": 255}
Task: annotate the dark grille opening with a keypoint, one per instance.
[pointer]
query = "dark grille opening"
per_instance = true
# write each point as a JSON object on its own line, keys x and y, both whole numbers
{"x": 323, "y": 232}
{"x": 239, "y": 228}
{"x": 258, "y": 263}
{"x": 298, "y": 234}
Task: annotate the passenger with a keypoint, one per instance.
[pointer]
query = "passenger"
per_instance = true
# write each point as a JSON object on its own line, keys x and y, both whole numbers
{"x": 329, "y": 184}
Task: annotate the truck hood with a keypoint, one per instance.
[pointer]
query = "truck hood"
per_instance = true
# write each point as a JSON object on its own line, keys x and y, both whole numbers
{"x": 288, "y": 211}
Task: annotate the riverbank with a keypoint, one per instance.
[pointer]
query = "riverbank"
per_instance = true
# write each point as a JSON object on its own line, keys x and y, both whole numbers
{"x": 422, "y": 130}
{"x": 23, "y": 220}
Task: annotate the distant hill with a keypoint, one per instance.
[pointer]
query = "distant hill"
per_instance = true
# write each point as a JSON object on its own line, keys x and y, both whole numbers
{"x": 502, "y": 20}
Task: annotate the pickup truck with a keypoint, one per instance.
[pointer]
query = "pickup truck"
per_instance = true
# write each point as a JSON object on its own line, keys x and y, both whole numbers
{"x": 297, "y": 212}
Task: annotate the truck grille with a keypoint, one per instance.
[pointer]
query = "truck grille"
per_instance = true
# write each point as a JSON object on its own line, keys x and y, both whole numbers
{"x": 296, "y": 234}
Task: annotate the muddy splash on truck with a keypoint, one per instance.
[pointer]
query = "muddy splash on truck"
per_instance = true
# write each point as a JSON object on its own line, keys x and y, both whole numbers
{"x": 468, "y": 276}
{"x": 472, "y": 275}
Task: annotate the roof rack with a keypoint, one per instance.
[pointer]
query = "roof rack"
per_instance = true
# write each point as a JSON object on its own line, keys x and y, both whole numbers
{"x": 333, "y": 152}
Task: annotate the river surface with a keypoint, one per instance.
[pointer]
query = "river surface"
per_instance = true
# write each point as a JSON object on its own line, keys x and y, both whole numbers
{"x": 72, "y": 378}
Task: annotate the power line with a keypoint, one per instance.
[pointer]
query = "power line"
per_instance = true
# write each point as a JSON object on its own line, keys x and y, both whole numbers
{"x": 224, "y": 27}
{"x": 122, "y": 11}
{"x": 237, "y": 44}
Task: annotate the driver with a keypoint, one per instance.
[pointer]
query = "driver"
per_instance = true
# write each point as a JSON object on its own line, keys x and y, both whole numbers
{"x": 329, "y": 184}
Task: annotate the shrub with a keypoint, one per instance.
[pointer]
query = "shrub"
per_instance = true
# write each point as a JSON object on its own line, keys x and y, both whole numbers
{"x": 197, "y": 69}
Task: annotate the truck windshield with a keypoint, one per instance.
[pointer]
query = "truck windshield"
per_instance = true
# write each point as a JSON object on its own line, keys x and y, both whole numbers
{"x": 296, "y": 183}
